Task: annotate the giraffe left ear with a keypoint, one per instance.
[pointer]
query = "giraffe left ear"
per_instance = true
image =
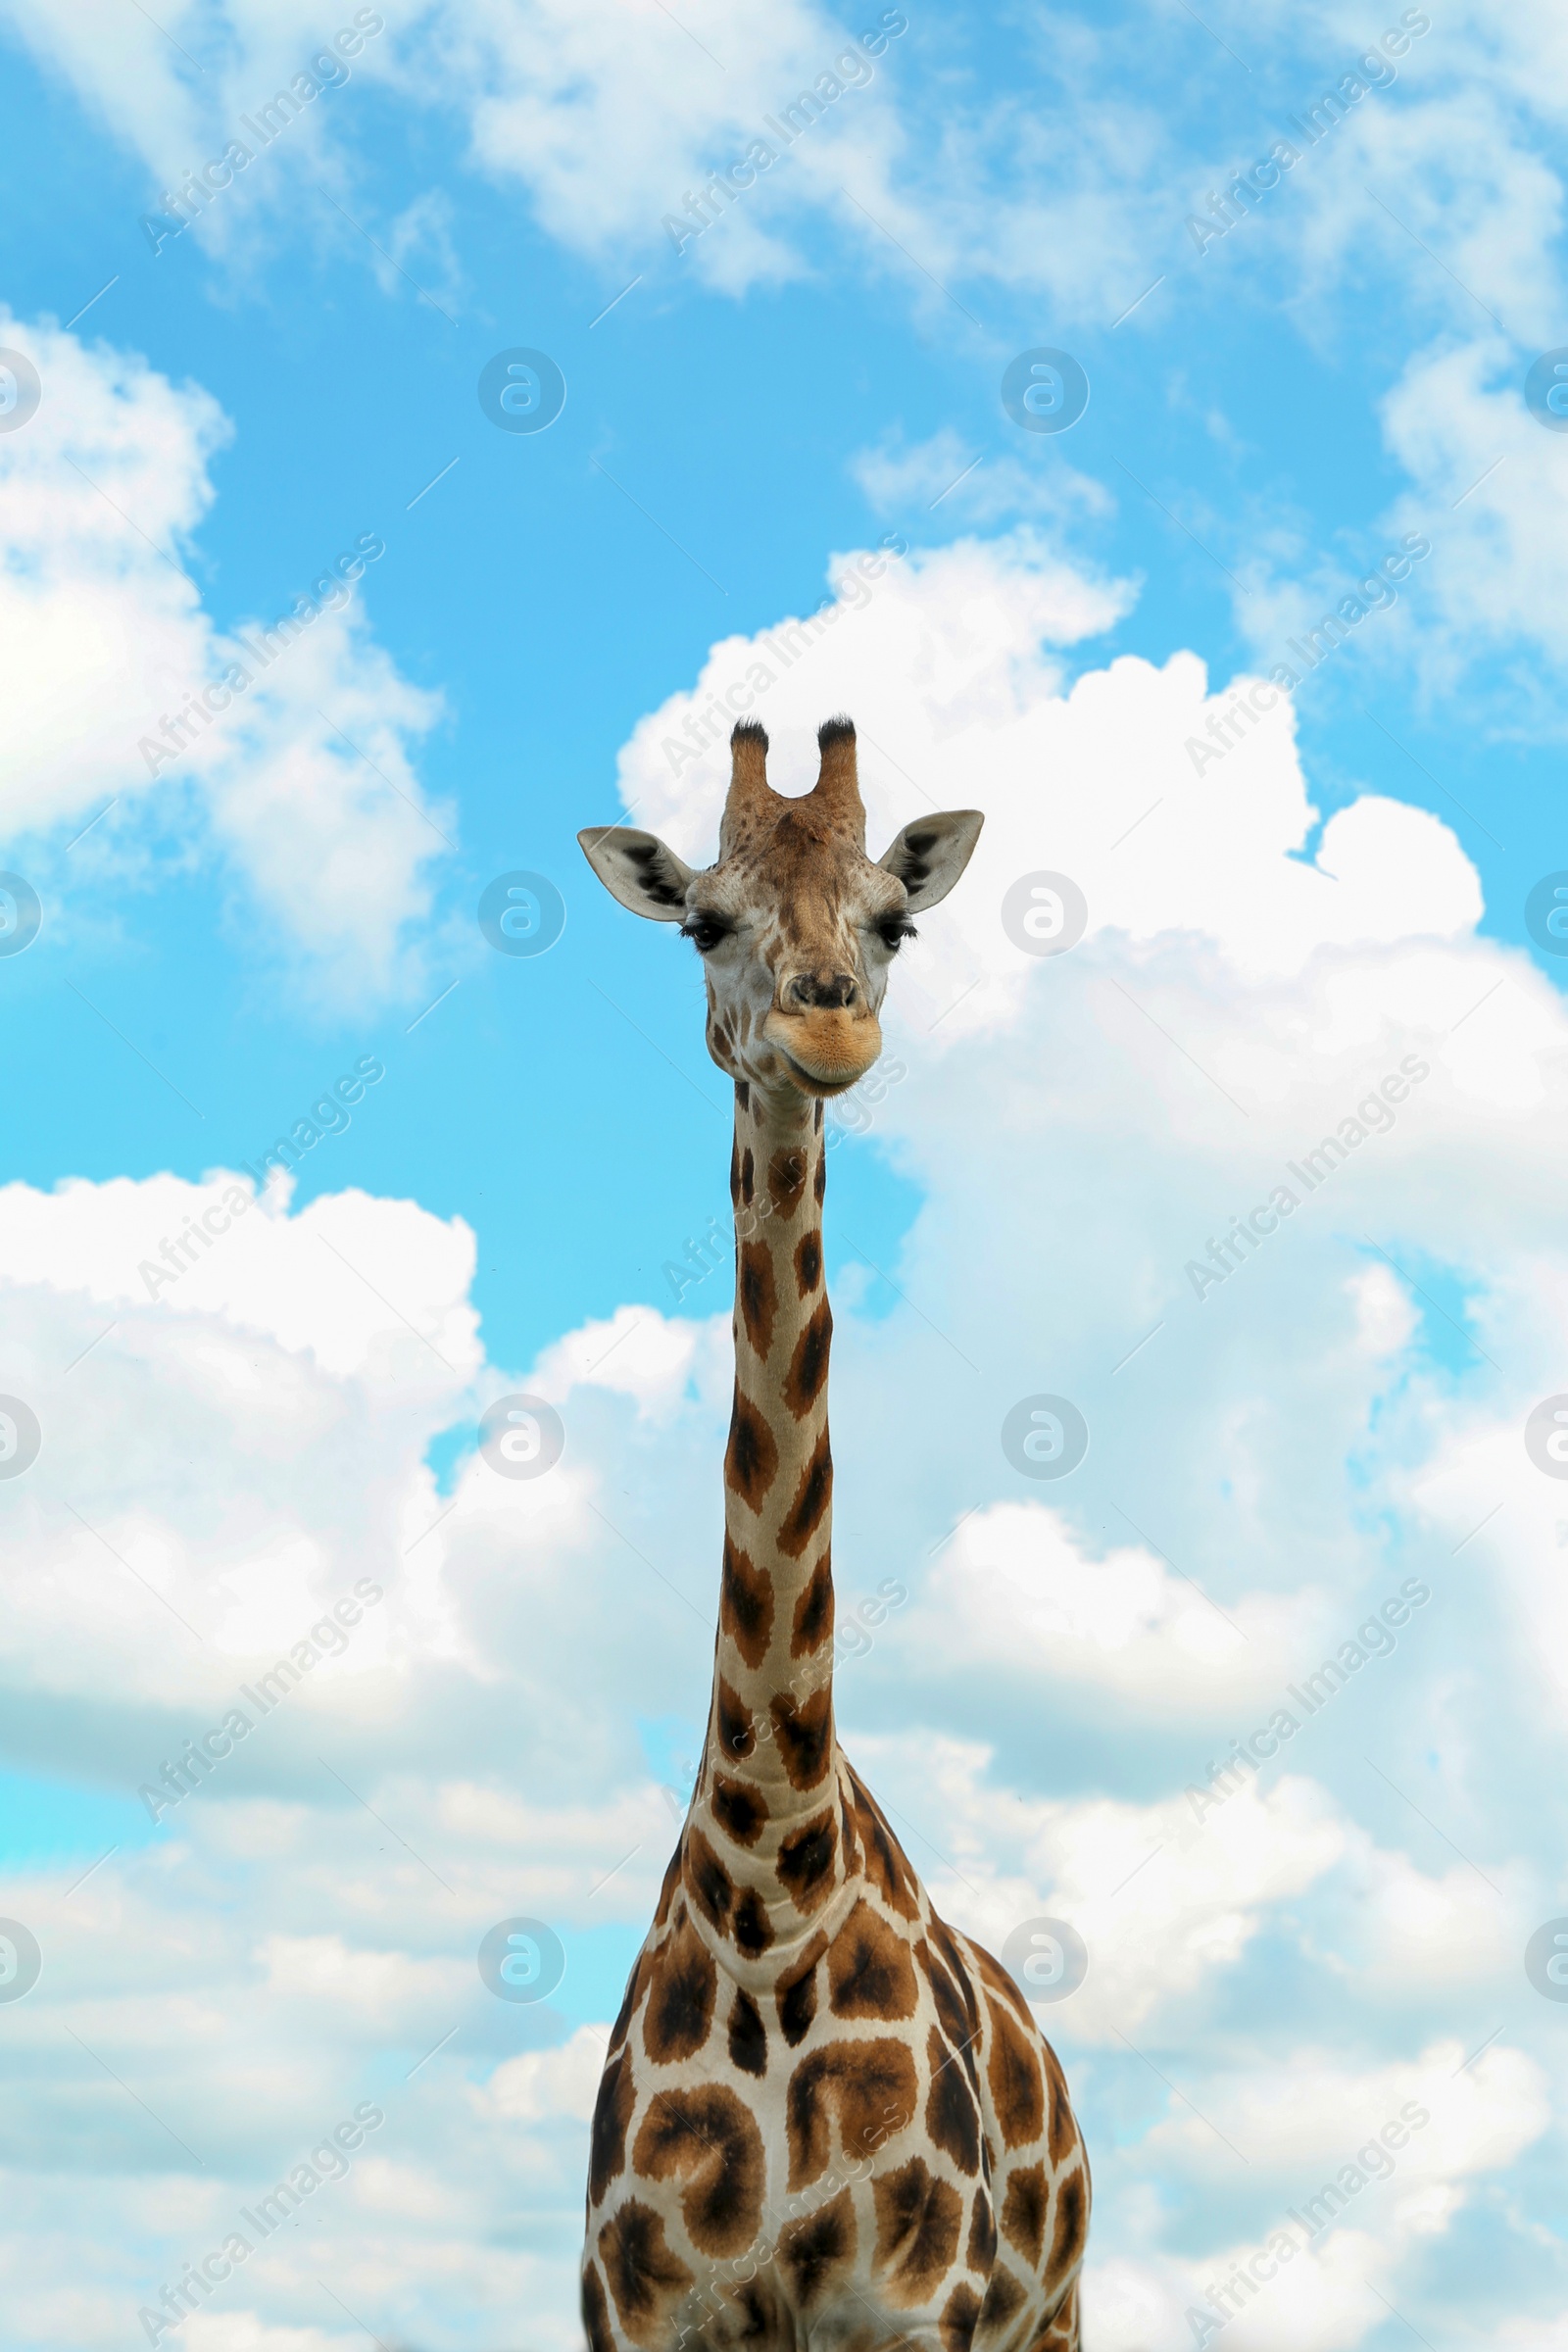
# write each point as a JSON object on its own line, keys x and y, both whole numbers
{"x": 929, "y": 854}
{"x": 638, "y": 869}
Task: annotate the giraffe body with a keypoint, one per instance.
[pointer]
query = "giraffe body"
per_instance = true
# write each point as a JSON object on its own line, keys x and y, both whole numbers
{"x": 827, "y": 2121}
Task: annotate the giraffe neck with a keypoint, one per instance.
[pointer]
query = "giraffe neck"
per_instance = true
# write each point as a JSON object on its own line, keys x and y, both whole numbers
{"x": 763, "y": 1816}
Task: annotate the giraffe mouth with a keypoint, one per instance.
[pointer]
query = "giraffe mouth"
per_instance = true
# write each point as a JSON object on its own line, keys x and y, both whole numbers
{"x": 825, "y": 1053}
{"x": 826, "y": 1087}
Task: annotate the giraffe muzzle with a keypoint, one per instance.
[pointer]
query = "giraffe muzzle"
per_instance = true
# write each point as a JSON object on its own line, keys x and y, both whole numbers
{"x": 824, "y": 1051}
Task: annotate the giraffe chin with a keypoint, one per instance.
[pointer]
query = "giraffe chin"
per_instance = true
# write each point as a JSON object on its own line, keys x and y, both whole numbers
{"x": 824, "y": 1053}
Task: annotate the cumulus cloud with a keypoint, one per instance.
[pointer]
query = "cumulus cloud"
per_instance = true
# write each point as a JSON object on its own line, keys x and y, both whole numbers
{"x": 1015, "y": 1589}
{"x": 222, "y": 1461}
{"x": 294, "y": 770}
{"x": 951, "y": 662}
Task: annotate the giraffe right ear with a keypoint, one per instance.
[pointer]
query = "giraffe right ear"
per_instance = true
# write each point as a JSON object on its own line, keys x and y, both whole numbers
{"x": 639, "y": 871}
{"x": 931, "y": 852}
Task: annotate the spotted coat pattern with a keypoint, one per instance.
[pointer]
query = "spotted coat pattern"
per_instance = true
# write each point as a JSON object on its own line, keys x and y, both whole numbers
{"x": 827, "y": 2121}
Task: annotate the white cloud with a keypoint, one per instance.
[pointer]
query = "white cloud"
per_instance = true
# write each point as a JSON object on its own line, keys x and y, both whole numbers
{"x": 945, "y": 470}
{"x": 1457, "y": 416}
{"x": 1015, "y": 1590}
{"x": 1311, "y": 2114}
{"x": 947, "y": 661}
{"x": 609, "y": 114}
{"x": 638, "y": 1353}
{"x": 106, "y": 488}
{"x": 544, "y": 2084}
{"x": 254, "y": 1440}
{"x": 1160, "y": 1908}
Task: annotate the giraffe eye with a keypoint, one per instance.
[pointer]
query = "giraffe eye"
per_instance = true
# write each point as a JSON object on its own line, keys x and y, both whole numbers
{"x": 893, "y": 930}
{"x": 704, "y": 931}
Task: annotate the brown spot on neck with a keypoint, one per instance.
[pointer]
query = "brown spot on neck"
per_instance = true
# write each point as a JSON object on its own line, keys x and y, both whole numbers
{"x": 812, "y": 1499}
{"x": 738, "y": 1809}
{"x": 796, "y": 1992}
{"x": 806, "y": 1376}
{"x": 757, "y": 1295}
{"x": 868, "y": 1969}
{"x": 753, "y": 1929}
{"x": 1072, "y": 2222}
{"x": 802, "y": 1733}
{"x": 746, "y": 1604}
{"x": 732, "y": 1717}
{"x": 805, "y": 1862}
{"x": 813, "y": 1611}
{"x": 787, "y": 1172}
{"x": 708, "y": 1881}
{"x": 751, "y": 1463}
{"x": 747, "y": 2036}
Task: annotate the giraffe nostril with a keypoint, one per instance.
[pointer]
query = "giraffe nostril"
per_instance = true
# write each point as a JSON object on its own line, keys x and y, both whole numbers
{"x": 829, "y": 992}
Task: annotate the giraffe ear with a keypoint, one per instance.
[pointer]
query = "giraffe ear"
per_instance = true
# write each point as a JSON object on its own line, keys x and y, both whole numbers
{"x": 638, "y": 869}
{"x": 929, "y": 854}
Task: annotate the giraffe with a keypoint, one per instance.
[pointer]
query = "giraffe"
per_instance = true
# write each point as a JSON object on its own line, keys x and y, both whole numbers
{"x": 827, "y": 2121}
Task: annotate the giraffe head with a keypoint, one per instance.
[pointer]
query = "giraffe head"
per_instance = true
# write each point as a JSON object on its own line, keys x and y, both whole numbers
{"x": 796, "y": 927}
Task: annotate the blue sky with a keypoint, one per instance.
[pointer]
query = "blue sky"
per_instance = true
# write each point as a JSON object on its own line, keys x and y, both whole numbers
{"x": 1272, "y": 413}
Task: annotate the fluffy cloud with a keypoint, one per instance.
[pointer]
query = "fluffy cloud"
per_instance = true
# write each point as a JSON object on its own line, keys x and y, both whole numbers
{"x": 609, "y": 116}
{"x": 1349, "y": 2211}
{"x": 224, "y": 1461}
{"x": 298, "y": 781}
{"x": 1015, "y": 1589}
{"x": 1457, "y": 423}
